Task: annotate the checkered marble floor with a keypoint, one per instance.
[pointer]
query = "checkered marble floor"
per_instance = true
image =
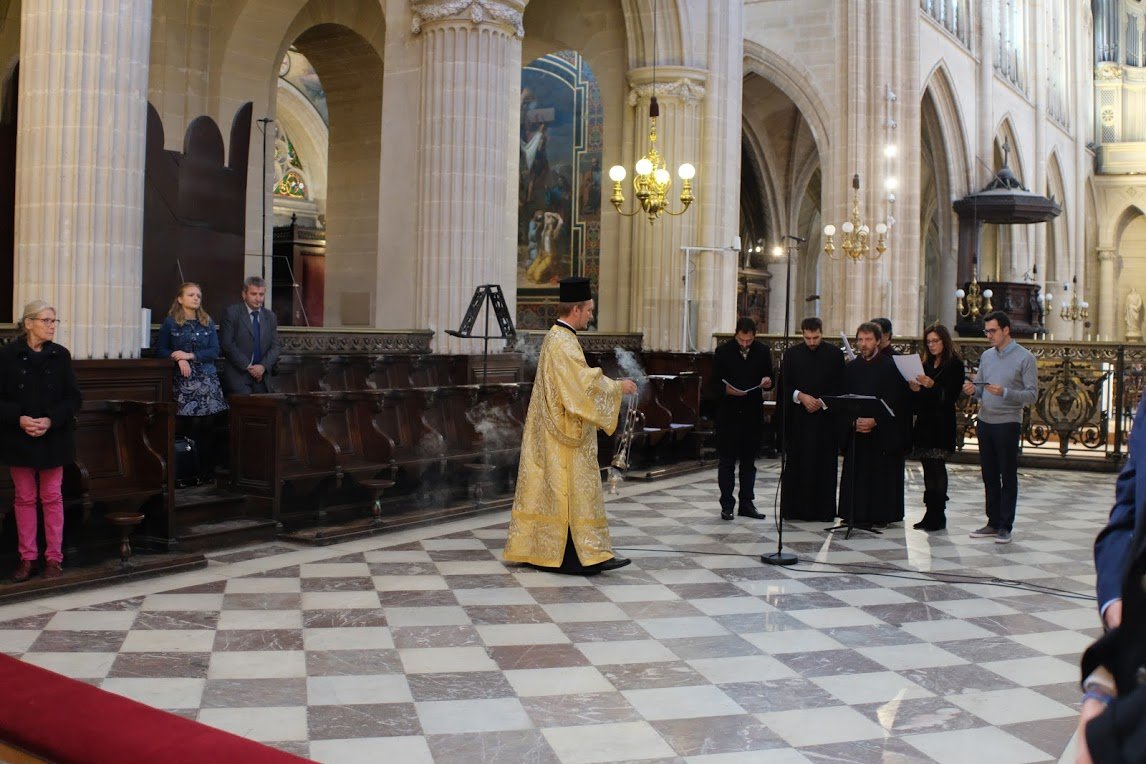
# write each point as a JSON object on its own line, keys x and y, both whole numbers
{"x": 423, "y": 646}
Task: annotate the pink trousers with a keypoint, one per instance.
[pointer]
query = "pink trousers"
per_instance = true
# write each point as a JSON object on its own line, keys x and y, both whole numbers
{"x": 51, "y": 498}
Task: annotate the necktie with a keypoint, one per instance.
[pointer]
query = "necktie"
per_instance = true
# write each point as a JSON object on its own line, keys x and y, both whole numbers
{"x": 257, "y": 356}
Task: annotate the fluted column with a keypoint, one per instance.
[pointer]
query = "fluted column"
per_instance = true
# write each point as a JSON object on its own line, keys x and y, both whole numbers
{"x": 658, "y": 275}
{"x": 79, "y": 168}
{"x": 1108, "y": 325}
{"x": 471, "y": 73}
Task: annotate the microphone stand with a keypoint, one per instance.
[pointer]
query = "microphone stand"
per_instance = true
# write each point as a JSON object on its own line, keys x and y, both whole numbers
{"x": 780, "y": 557}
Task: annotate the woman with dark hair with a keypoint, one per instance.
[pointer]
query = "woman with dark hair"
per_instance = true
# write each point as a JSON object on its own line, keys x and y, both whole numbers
{"x": 933, "y": 440}
{"x": 188, "y": 338}
{"x": 39, "y": 401}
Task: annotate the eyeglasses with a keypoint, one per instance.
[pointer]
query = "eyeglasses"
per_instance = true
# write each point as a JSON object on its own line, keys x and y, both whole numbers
{"x": 47, "y": 321}
{"x": 989, "y": 332}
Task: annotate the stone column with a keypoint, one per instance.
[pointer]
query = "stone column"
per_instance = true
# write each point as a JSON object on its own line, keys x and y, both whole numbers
{"x": 1108, "y": 323}
{"x": 79, "y": 168}
{"x": 658, "y": 271}
{"x": 471, "y": 74}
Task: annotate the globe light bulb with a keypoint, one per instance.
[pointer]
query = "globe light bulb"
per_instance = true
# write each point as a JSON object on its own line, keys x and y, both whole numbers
{"x": 829, "y": 230}
{"x": 864, "y": 229}
{"x": 777, "y": 251}
{"x": 890, "y": 150}
{"x": 881, "y": 228}
{"x": 686, "y": 171}
{"x": 988, "y": 293}
{"x": 960, "y": 293}
{"x": 617, "y": 173}
{"x": 847, "y": 227}
{"x": 662, "y": 176}
{"x": 891, "y": 184}
{"x": 644, "y": 166}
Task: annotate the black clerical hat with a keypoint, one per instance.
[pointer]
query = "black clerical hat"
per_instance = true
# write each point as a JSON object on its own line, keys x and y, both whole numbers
{"x": 575, "y": 289}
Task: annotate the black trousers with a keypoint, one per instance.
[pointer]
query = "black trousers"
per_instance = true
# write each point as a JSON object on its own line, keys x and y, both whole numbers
{"x": 742, "y": 452}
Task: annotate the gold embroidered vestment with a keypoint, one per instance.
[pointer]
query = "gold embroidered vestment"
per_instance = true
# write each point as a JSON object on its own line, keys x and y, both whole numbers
{"x": 559, "y": 480}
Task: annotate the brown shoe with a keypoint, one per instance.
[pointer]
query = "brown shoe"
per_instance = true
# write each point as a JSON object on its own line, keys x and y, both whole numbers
{"x": 23, "y": 571}
{"x": 53, "y": 569}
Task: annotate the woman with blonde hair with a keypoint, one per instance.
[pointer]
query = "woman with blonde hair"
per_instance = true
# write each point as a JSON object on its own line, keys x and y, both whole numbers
{"x": 189, "y": 339}
{"x": 39, "y": 401}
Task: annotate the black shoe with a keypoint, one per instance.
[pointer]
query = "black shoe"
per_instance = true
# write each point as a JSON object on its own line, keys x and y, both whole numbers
{"x": 726, "y": 514}
{"x": 751, "y": 512}
{"x": 613, "y": 564}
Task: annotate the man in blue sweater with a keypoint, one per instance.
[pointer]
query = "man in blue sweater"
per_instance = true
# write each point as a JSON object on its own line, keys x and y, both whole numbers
{"x": 1007, "y": 381}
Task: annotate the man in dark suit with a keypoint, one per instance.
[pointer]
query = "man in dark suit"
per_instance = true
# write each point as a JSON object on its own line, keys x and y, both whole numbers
{"x": 741, "y": 370}
{"x": 249, "y": 338}
{"x": 1112, "y": 726}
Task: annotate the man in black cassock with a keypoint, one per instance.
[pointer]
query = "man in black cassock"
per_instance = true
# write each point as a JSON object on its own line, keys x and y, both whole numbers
{"x": 876, "y": 462}
{"x": 741, "y": 369}
{"x": 808, "y": 372}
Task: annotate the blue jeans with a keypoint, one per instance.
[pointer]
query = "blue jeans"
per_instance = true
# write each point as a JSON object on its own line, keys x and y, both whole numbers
{"x": 999, "y": 461}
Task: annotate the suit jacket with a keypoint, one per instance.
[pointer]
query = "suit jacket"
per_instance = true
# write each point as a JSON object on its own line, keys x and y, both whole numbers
{"x": 237, "y": 341}
{"x": 1112, "y": 549}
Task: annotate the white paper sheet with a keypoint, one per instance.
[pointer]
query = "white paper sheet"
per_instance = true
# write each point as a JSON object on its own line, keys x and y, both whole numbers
{"x": 909, "y": 366}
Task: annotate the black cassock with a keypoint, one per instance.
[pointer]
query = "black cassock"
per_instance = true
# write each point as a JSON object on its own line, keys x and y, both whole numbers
{"x": 811, "y": 440}
{"x": 878, "y": 457}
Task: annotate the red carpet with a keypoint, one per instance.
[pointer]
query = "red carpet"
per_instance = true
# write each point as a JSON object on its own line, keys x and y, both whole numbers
{"x": 63, "y": 720}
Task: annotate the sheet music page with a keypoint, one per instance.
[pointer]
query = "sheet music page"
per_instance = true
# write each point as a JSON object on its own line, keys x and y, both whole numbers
{"x": 847, "y": 346}
{"x": 909, "y": 366}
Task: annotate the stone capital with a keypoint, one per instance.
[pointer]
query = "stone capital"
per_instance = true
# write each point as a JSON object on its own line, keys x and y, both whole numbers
{"x": 1108, "y": 70}
{"x": 1106, "y": 255}
{"x": 505, "y": 13}
{"x": 681, "y": 83}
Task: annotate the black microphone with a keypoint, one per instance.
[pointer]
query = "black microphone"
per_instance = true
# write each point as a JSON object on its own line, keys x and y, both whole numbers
{"x": 800, "y": 239}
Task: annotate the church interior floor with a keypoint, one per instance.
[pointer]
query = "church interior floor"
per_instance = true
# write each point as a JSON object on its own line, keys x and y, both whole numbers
{"x": 424, "y": 646}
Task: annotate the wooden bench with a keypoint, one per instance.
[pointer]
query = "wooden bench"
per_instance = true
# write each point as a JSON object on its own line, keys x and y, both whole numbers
{"x": 123, "y": 450}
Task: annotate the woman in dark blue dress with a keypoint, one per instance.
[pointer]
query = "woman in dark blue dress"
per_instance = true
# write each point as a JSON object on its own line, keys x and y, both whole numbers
{"x": 188, "y": 337}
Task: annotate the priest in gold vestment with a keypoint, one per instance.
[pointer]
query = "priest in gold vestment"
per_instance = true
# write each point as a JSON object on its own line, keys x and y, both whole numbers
{"x": 558, "y": 521}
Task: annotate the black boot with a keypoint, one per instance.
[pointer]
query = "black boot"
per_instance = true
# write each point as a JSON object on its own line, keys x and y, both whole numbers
{"x": 935, "y": 518}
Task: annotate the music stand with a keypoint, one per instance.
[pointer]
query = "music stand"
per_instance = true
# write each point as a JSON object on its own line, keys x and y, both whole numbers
{"x": 852, "y": 407}
{"x": 486, "y": 294}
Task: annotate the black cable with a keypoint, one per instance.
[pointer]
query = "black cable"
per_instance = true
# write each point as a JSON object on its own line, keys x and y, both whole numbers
{"x": 892, "y": 571}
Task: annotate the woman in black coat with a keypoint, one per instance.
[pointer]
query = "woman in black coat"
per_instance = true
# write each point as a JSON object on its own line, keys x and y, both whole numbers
{"x": 39, "y": 401}
{"x": 933, "y": 439}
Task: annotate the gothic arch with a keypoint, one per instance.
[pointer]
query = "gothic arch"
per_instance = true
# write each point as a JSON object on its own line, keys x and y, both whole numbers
{"x": 1058, "y": 261}
{"x": 957, "y": 148}
{"x": 795, "y": 82}
{"x": 671, "y": 19}
{"x": 1005, "y": 132}
{"x": 1123, "y": 219}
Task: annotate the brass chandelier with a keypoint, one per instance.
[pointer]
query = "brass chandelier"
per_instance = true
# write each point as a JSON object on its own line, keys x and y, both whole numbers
{"x": 652, "y": 181}
{"x": 856, "y": 235}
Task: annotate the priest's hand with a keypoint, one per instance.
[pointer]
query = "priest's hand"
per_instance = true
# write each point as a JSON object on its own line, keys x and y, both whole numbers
{"x": 766, "y": 383}
{"x": 810, "y": 404}
{"x": 628, "y": 387}
{"x": 865, "y": 424}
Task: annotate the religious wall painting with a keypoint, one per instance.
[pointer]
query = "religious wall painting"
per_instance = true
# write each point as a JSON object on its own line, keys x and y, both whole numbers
{"x": 297, "y": 72}
{"x": 559, "y": 187}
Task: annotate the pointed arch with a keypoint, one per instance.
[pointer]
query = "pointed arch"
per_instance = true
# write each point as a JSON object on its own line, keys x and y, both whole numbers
{"x": 1058, "y": 231}
{"x": 957, "y": 145}
{"x": 1005, "y": 133}
{"x": 672, "y": 17}
{"x": 795, "y": 82}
